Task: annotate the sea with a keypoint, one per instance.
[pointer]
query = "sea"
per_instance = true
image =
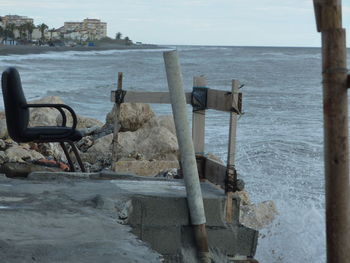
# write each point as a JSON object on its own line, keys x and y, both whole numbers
{"x": 279, "y": 138}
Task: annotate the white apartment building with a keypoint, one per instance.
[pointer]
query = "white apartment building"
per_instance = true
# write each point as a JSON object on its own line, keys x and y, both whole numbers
{"x": 93, "y": 29}
{"x": 15, "y": 19}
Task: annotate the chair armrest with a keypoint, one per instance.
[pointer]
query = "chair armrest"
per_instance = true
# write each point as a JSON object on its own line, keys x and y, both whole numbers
{"x": 60, "y": 108}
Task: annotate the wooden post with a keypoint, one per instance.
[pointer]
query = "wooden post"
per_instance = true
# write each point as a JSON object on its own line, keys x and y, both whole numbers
{"x": 335, "y": 111}
{"x": 116, "y": 110}
{"x": 231, "y": 172}
{"x": 198, "y": 121}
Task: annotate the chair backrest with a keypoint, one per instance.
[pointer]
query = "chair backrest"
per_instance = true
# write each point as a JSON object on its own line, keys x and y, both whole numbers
{"x": 17, "y": 117}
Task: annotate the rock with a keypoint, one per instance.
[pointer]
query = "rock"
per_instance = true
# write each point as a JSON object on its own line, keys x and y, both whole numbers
{"x": 132, "y": 116}
{"x": 44, "y": 116}
{"x": 151, "y": 141}
{"x": 85, "y": 143}
{"x": 2, "y": 145}
{"x": 17, "y": 153}
{"x": 144, "y": 168}
{"x": 100, "y": 151}
{"x": 258, "y": 216}
{"x": 82, "y": 122}
{"x": 3, "y": 129}
{"x": 23, "y": 169}
{"x": 167, "y": 121}
{"x": 3, "y": 157}
{"x": 50, "y": 150}
{"x": 171, "y": 173}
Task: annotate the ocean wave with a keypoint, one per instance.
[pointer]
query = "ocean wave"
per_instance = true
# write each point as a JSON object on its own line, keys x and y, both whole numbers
{"x": 74, "y": 55}
{"x": 291, "y": 56}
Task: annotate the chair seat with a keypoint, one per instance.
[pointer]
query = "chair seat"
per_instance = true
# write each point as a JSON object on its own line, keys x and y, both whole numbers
{"x": 51, "y": 133}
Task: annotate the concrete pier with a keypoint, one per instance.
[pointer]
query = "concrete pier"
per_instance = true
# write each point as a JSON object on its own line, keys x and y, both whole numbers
{"x": 72, "y": 217}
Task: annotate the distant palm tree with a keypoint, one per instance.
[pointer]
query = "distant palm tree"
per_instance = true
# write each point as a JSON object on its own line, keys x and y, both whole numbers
{"x": 42, "y": 27}
{"x": 30, "y": 28}
{"x": 11, "y": 31}
{"x": 22, "y": 29}
{"x": 51, "y": 31}
{"x": 127, "y": 41}
{"x": 118, "y": 35}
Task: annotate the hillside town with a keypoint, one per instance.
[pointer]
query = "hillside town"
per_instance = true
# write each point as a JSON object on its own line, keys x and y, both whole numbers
{"x": 21, "y": 30}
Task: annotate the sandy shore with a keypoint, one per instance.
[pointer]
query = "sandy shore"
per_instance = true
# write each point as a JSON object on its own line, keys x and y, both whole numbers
{"x": 26, "y": 49}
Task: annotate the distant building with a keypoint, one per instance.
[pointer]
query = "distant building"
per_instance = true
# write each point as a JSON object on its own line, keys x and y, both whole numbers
{"x": 16, "y": 20}
{"x": 89, "y": 29}
{"x": 1, "y": 23}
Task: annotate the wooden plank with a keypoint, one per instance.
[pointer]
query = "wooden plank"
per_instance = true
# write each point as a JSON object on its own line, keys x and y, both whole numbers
{"x": 233, "y": 124}
{"x": 215, "y": 172}
{"x": 198, "y": 121}
{"x": 231, "y": 175}
{"x": 219, "y": 100}
{"x": 116, "y": 109}
{"x": 149, "y": 97}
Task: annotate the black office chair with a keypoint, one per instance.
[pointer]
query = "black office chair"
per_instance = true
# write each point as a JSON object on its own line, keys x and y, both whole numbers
{"x": 17, "y": 118}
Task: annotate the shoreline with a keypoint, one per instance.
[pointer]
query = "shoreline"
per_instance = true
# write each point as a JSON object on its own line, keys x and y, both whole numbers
{"x": 6, "y": 50}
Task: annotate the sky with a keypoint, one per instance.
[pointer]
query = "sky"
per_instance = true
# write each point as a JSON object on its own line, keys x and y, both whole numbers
{"x": 188, "y": 22}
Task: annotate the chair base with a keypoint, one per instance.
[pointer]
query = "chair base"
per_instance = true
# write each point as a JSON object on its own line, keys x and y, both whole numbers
{"x": 77, "y": 156}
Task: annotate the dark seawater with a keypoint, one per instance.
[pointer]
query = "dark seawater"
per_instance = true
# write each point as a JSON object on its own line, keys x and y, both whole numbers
{"x": 280, "y": 136}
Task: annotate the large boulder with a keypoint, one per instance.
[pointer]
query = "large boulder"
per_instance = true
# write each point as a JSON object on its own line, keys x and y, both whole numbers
{"x": 152, "y": 141}
{"x": 44, "y": 116}
{"x": 21, "y": 153}
{"x": 82, "y": 122}
{"x": 101, "y": 150}
{"x": 132, "y": 116}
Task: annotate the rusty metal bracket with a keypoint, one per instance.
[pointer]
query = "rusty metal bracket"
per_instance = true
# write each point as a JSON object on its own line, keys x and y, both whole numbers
{"x": 119, "y": 96}
{"x": 199, "y": 98}
{"x": 233, "y": 184}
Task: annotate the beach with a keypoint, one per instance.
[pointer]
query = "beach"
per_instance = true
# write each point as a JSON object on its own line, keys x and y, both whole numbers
{"x": 28, "y": 49}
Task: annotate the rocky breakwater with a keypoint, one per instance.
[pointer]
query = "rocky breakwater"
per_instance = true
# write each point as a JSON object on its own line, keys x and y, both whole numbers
{"x": 147, "y": 146}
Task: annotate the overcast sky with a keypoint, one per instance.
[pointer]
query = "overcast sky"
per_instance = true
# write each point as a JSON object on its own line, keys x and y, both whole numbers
{"x": 196, "y": 22}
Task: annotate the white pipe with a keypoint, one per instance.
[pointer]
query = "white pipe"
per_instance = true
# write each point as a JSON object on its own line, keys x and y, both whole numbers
{"x": 188, "y": 160}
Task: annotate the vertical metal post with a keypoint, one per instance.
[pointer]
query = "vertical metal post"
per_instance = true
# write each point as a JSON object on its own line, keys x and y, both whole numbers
{"x": 116, "y": 110}
{"x": 188, "y": 160}
{"x": 336, "y": 147}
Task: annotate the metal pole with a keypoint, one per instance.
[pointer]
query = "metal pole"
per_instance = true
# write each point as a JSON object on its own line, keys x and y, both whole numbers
{"x": 188, "y": 160}
{"x": 336, "y": 146}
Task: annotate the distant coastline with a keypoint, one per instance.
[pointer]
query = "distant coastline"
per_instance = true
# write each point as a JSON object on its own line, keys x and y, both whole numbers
{"x": 28, "y": 49}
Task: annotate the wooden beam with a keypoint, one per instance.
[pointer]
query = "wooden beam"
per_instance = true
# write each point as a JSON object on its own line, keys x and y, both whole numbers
{"x": 219, "y": 100}
{"x": 231, "y": 172}
{"x": 215, "y": 172}
{"x": 216, "y": 100}
{"x": 149, "y": 97}
{"x": 116, "y": 109}
{"x": 198, "y": 121}
{"x": 318, "y": 14}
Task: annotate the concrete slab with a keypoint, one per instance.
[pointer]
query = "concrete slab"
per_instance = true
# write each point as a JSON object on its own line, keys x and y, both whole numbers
{"x": 67, "y": 217}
